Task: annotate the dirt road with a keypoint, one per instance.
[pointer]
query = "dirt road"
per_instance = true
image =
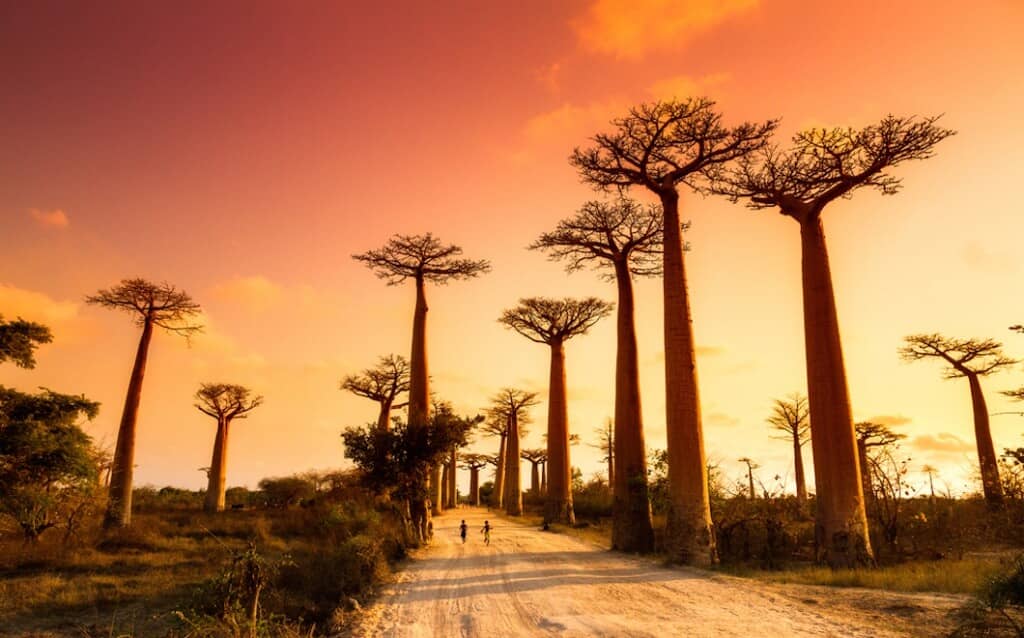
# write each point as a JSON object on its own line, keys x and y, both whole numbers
{"x": 534, "y": 583}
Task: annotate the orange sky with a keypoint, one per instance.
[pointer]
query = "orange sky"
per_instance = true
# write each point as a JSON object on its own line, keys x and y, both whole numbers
{"x": 245, "y": 150}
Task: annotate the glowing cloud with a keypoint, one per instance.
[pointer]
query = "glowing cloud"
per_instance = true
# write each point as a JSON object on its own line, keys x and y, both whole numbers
{"x": 256, "y": 292}
{"x": 35, "y": 306}
{"x": 941, "y": 442}
{"x": 56, "y": 219}
{"x": 632, "y": 28}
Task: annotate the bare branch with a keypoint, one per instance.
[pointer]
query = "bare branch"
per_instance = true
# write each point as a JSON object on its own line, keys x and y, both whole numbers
{"x": 226, "y": 401}
{"x": 161, "y": 305}
{"x": 965, "y": 357}
{"x": 420, "y": 256}
{"x": 551, "y": 321}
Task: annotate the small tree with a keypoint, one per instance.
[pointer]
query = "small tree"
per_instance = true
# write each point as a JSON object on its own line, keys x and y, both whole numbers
{"x": 553, "y": 322}
{"x": 973, "y": 359}
{"x": 151, "y": 306}
{"x": 422, "y": 258}
{"x": 224, "y": 402}
{"x": 606, "y": 444}
{"x": 821, "y": 167}
{"x": 789, "y": 416}
{"x": 512, "y": 405}
{"x": 497, "y": 425}
{"x": 536, "y": 457}
{"x": 474, "y": 463}
{"x": 623, "y": 239}
{"x": 19, "y": 340}
{"x": 751, "y": 466}
{"x": 46, "y": 459}
{"x": 383, "y": 384}
{"x": 659, "y": 147}
{"x": 872, "y": 435}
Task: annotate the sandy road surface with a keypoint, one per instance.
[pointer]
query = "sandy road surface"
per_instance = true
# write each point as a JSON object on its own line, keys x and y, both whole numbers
{"x": 534, "y": 583}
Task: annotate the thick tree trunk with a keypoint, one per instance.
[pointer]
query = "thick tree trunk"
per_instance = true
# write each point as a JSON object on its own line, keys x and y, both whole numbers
{"x": 384, "y": 419}
{"x": 632, "y": 530}
{"x": 419, "y": 393}
{"x": 445, "y": 479}
{"x": 119, "y": 502}
{"x": 474, "y": 486}
{"x": 987, "y": 460}
{"x": 866, "y": 486}
{"x": 544, "y": 478}
{"x": 689, "y": 536}
{"x": 841, "y": 526}
{"x": 513, "y": 485}
{"x": 798, "y": 470}
{"x": 498, "y": 494}
{"x": 558, "y": 503}
{"x": 453, "y": 493}
{"x": 218, "y": 469}
{"x": 534, "y": 479}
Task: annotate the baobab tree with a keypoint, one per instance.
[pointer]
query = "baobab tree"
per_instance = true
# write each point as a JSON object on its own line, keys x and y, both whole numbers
{"x": 660, "y": 146}
{"x": 931, "y": 471}
{"x": 224, "y": 402}
{"x": 751, "y": 466}
{"x": 474, "y": 463}
{"x": 19, "y": 340}
{"x": 536, "y": 457}
{"x": 151, "y": 306}
{"x": 789, "y": 415}
{"x": 421, "y": 258}
{"x": 623, "y": 239}
{"x": 872, "y": 435}
{"x": 384, "y": 384}
{"x": 512, "y": 405}
{"x": 497, "y": 425}
{"x": 973, "y": 359}
{"x": 606, "y": 444}
{"x": 821, "y": 167}
{"x": 553, "y": 322}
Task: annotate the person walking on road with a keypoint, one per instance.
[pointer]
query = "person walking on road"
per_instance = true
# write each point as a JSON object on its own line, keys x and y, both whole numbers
{"x": 462, "y": 531}
{"x": 487, "y": 532}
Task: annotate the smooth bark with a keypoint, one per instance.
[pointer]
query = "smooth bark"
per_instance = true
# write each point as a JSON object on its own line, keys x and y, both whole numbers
{"x": 988, "y": 462}
{"x": 215, "y": 500}
{"x": 632, "y": 529}
{"x": 513, "y": 484}
{"x": 474, "y": 486}
{"x": 544, "y": 478}
{"x": 558, "y": 503}
{"x": 384, "y": 418}
{"x": 498, "y": 495}
{"x": 689, "y": 536}
{"x": 119, "y": 502}
{"x": 534, "y": 479}
{"x": 453, "y": 495}
{"x": 841, "y": 526}
{"x": 419, "y": 398}
{"x": 798, "y": 468}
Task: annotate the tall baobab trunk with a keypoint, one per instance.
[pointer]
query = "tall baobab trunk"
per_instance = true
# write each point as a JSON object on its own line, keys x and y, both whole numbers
{"x": 445, "y": 479}
{"x": 218, "y": 469}
{"x": 632, "y": 530}
{"x": 798, "y": 469}
{"x": 544, "y": 477}
{"x": 841, "y": 526}
{"x": 513, "y": 485}
{"x": 534, "y": 479}
{"x": 474, "y": 486}
{"x": 689, "y": 535}
{"x": 987, "y": 460}
{"x": 750, "y": 479}
{"x": 419, "y": 404}
{"x": 453, "y": 493}
{"x": 384, "y": 419}
{"x": 119, "y": 503}
{"x": 498, "y": 494}
{"x": 865, "y": 470}
{"x": 558, "y": 505}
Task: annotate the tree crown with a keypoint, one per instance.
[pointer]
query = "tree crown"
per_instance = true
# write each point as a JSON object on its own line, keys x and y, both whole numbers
{"x": 385, "y": 382}
{"x": 552, "y": 321}
{"x": 474, "y": 461}
{"x": 826, "y": 164}
{"x": 875, "y": 434}
{"x": 421, "y": 257}
{"x": 160, "y": 304}
{"x": 966, "y": 357}
{"x": 19, "y": 340}
{"x": 792, "y": 416}
{"x": 623, "y": 233}
{"x": 661, "y": 144}
{"x": 226, "y": 401}
{"x": 534, "y": 455}
{"x": 510, "y": 402}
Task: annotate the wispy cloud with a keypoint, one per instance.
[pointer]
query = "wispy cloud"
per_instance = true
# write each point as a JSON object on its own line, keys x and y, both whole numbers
{"x": 55, "y": 219}
{"x": 631, "y": 29}
{"x": 890, "y": 419}
{"x": 941, "y": 442}
{"x": 35, "y": 306}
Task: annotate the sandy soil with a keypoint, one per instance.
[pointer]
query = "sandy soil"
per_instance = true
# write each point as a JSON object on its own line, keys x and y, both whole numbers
{"x": 534, "y": 583}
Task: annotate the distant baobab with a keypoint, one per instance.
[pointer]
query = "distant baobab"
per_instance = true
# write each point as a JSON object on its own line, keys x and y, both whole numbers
{"x": 871, "y": 435}
{"x": 553, "y": 322}
{"x": 422, "y": 258}
{"x": 224, "y": 402}
{"x": 659, "y": 147}
{"x": 512, "y": 404}
{"x": 151, "y": 306}
{"x": 973, "y": 359}
{"x": 824, "y": 165}
{"x": 623, "y": 238}
{"x": 384, "y": 384}
{"x": 789, "y": 416}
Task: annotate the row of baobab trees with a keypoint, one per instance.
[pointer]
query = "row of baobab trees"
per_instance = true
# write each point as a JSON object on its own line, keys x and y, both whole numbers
{"x": 664, "y": 148}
